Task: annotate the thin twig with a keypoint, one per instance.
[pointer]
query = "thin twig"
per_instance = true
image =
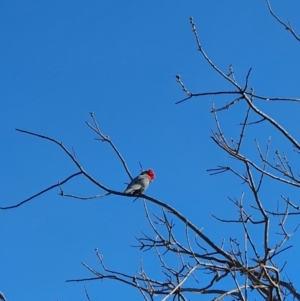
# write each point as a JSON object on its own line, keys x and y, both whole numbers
{"x": 181, "y": 282}
{"x": 107, "y": 139}
{"x": 286, "y": 26}
{"x": 43, "y": 191}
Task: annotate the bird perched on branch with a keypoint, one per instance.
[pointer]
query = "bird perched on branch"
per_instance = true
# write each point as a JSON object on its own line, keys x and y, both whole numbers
{"x": 139, "y": 184}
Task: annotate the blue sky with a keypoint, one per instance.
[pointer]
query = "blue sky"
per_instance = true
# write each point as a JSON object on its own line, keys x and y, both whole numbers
{"x": 62, "y": 59}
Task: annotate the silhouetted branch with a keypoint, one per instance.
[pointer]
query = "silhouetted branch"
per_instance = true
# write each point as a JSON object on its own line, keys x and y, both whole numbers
{"x": 285, "y": 25}
{"x": 108, "y": 140}
{"x": 43, "y": 191}
{"x": 2, "y": 297}
{"x": 86, "y": 293}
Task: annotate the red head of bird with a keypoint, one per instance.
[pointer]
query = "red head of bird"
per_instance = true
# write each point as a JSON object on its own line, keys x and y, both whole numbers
{"x": 150, "y": 173}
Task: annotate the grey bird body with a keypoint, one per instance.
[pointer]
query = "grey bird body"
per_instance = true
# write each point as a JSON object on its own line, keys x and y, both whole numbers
{"x": 139, "y": 184}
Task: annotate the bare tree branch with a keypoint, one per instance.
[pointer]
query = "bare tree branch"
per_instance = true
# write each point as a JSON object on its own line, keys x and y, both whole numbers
{"x": 285, "y": 25}
{"x": 107, "y": 139}
{"x": 41, "y": 192}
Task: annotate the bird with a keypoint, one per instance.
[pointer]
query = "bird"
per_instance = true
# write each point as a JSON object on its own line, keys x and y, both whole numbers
{"x": 139, "y": 184}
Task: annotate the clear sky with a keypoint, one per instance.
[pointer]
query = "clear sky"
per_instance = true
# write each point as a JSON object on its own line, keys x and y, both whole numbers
{"x": 62, "y": 59}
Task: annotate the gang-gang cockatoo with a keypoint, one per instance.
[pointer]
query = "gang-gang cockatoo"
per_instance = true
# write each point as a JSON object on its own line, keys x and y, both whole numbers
{"x": 139, "y": 184}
